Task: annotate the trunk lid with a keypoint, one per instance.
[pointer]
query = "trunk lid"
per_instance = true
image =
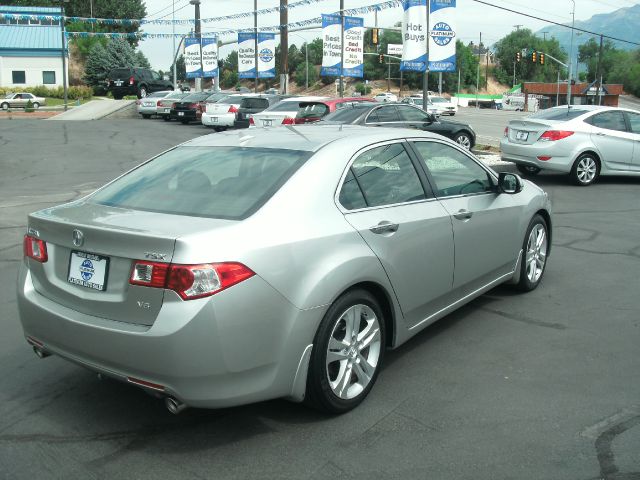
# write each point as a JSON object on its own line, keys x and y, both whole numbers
{"x": 112, "y": 240}
{"x": 220, "y": 108}
{"x": 272, "y": 119}
{"x": 527, "y": 132}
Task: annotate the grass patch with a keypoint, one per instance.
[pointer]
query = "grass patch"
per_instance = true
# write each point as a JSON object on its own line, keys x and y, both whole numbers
{"x": 52, "y": 102}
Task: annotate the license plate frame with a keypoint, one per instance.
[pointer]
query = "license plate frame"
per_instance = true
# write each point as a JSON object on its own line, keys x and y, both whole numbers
{"x": 181, "y": 114}
{"x": 83, "y": 267}
{"x": 522, "y": 135}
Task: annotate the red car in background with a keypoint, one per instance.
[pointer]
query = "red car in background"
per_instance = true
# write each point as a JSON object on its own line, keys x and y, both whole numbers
{"x": 301, "y": 110}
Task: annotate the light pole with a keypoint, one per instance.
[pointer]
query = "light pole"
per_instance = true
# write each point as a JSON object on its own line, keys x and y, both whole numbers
{"x": 573, "y": 21}
{"x": 173, "y": 26}
{"x": 63, "y": 54}
{"x": 306, "y": 59}
{"x": 196, "y": 3}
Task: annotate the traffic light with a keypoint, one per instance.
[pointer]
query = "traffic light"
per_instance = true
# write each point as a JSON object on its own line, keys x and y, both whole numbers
{"x": 374, "y": 36}
{"x": 381, "y": 58}
{"x": 541, "y": 58}
{"x": 534, "y": 56}
{"x": 518, "y": 56}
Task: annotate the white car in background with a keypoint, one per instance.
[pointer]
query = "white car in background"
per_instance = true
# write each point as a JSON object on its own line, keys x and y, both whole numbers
{"x": 384, "y": 97}
{"x": 443, "y": 106}
{"x": 288, "y": 112}
{"x": 222, "y": 114}
{"x": 148, "y": 105}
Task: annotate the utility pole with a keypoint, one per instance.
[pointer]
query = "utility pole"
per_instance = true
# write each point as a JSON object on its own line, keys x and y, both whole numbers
{"x": 255, "y": 29}
{"x": 198, "y": 34}
{"x": 518, "y": 27}
{"x": 64, "y": 55}
{"x": 486, "y": 72}
{"x": 173, "y": 28}
{"x": 573, "y": 22}
{"x": 544, "y": 36}
{"x": 598, "y": 74}
{"x": 478, "y": 71}
{"x": 342, "y": 49}
{"x": 425, "y": 78}
{"x": 284, "y": 47}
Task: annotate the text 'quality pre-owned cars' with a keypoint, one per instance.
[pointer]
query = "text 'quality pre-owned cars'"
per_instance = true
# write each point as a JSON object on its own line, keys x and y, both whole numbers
{"x": 265, "y": 263}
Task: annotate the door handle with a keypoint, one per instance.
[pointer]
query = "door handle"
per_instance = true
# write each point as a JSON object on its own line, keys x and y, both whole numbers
{"x": 463, "y": 214}
{"x": 384, "y": 227}
{"x": 600, "y": 134}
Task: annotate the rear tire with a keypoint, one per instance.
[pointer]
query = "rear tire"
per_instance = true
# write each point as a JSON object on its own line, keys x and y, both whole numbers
{"x": 528, "y": 170}
{"x": 184, "y": 122}
{"x": 144, "y": 115}
{"x": 535, "y": 250}
{"x": 347, "y": 354}
{"x": 5, "y": 106}
{"x": 117, "y": 96}
{"x": 166, "y": 118}
{"x": 36, "y": 105}
{"x": 586, "y": 170}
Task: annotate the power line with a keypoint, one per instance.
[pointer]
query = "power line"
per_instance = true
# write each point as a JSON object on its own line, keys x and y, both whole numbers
{"x": 171, "y": 13}
{"x": 555, "y": 23}
{"x": 162, "y": 10}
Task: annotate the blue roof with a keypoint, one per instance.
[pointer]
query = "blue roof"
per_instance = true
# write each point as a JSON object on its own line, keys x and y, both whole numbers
{"x": 30, "y": 10}
{"x": 30, "y": 40}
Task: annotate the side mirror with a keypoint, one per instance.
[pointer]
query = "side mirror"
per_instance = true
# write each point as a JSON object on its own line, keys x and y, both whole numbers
{"x": 509, "y": 183}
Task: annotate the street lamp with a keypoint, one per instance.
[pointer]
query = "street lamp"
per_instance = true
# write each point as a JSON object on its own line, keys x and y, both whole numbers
{"x": 306, "y": 59}
{"x": 573, "y": 21}
{"x": 62, "y": 53}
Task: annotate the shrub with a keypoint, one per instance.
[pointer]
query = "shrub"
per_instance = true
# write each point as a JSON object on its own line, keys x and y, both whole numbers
{"x": 28, "y": 107}
{"x": 362, "y": 89}
{"x": 73, "y": 93}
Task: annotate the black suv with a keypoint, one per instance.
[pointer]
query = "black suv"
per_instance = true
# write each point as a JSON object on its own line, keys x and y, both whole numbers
{"x": 135, "y": 81}
{"x": 250, "y": 105}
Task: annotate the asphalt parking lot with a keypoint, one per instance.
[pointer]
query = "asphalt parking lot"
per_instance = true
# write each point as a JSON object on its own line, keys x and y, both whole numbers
{"x": 544, "y": 385}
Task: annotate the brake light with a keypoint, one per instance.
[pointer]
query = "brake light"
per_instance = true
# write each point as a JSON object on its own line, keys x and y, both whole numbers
{"x": 131, "y": 80}
{"x": 506, "y": 131}
{"x": 189, "y": 281}
{"x": 35, "y": 248}
{"x": 233, "y": 109}
{"x": 554, "y": 135}
{"x": 544, "y": 158}
{"x": 138, "y": 102}
{"x": 159, "y": 103}
{"x": 288, "y": 121}
{"x": 251, "y": 122}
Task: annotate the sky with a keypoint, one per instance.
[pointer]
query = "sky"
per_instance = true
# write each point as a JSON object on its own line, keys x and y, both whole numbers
{"x": 472, "y": 19}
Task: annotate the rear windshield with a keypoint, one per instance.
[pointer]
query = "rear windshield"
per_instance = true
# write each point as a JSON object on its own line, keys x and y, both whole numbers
{"x": 195, "y": 97}
{"x": 157, "y": 94}
{"x": 120, "y": 72}
{"x": 231, "y": 99}
{"x": 438, "y": 100}
{"x": 216, "y": 97}
{"x": 290, "y": 106}
{"x": 348, "y": 114}
{"x": 558, "y": 113}
{"x": 216, "y": 182}
{"x": 254, "y": 102}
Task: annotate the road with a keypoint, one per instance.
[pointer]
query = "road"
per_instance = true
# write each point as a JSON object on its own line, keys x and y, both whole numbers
{"x": 544, "y": 385}
{"x": 488, "y": 124}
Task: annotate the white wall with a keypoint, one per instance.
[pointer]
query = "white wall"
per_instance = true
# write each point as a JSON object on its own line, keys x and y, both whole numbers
{"x": 33, "y": 68}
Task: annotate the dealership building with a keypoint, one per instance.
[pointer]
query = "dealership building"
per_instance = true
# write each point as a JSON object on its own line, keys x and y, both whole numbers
{"x": 30, "y": 48}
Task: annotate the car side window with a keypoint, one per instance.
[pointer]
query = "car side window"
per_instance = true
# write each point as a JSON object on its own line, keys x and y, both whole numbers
{"x": 388, "y": 114}
{"x": 453, "y": 172}
{"x": 155, "y": 75}
{"x": 609, "y": 120}
{"x": 385, "y": 176}
{"x": 410, "y": 114}
{"x": 634, "y": 121}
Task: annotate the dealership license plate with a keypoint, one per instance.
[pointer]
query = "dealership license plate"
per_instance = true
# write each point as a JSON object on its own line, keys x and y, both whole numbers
{"x": 118, "y": 83}
{"x": 167, "y": 110}
{"x": 181, "y": 114}
{"x": 521, "y": 135}
{"x": 88, "y": 270}
{"x": 267, "y": 123}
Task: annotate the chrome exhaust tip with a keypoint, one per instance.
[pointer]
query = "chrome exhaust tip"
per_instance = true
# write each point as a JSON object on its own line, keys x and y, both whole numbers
{"x": 173, "y": 405}
{"x": 40, "y": 353}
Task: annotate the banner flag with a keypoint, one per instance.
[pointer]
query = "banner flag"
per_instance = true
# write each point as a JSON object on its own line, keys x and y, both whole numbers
{"x": 442, "y": 41}
{"x": 192, "y": 58}
{"x": 414, "y": 36}
{"x": 246, "y": 55}
{"x": 209, "y": 57}
{"x": 353, "y": 47}
{"x": 266, "y": 55}
{"x": 331, "y": 45}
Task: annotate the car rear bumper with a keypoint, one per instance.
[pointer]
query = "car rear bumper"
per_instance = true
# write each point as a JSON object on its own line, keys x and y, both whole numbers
{"x": 147, "y": 110}
{"x": 206, "y": 353}
{"x": 561, "y": 160}
{"x": 221, "y": 120}
{"x": 190, "y": 115}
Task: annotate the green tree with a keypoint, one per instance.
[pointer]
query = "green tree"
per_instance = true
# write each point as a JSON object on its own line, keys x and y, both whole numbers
{"x": 116, "y": 53}
{"x": 300, "y": 77}
{"x": 181, "y": 70}
{"x": 627, "y": 72}
{"x": 526, "y": 70}
{"x": 589, "y": 52}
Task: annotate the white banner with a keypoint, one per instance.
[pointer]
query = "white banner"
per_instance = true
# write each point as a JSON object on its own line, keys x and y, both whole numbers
{"x": 331, "y": 45}
{"x": 266, "y": 55}
{"x": 394, "y": 49}
{"x": 192, "y": 60}
{"x": 210, "y": 57}
{"x": 246, "y": 55}
{"x": 442, "y": 41}
{"x": 414, "y": 36}
{"x": 353, "y": 47}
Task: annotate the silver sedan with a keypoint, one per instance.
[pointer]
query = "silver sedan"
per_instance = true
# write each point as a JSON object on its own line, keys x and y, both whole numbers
{"x": 583, "y": 141}
{"x": 258, "y": 264}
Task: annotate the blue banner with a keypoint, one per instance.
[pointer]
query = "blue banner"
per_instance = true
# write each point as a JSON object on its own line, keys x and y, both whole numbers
{"x": 414, "y": 36}
{"x": 331, "y": 46}
{"x": 246, "y": 55}
{"x": 210, "y": 57}
{"x": 266, "y": 55}
{"x": 353, "y": 47}
{"x": 442, "y": 38}
{"x": 192, "y": 57}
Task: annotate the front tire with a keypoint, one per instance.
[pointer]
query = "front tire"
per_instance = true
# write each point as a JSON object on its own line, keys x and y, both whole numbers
{"x": 464, "y": 140}
{"x": 347, "y": 353}
{"x": 36, "y": 105}
{"x": 535, "y": 252}
{"x": 528, "y": 170}
{"x": 586, "y": 170}
{"x": 5, "y": 106}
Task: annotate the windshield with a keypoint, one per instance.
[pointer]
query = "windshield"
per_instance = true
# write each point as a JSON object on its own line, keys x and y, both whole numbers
{"x": 285, "y": 107}
{"x": 231, "y": 99}
{"x": 195, "y": 97}
{"x": 216, "y": 182}
{"x": 562, "y": 113}
{"x": 254, "y": 103}
{"x": 438, "y": 100}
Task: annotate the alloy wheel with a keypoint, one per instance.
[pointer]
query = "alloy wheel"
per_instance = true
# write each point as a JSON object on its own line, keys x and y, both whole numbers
{"x": 586, "y": 170}
{"x": 536, "y": 252}
{"x": 353, "y": 351}
{"x": 464, "y": 141}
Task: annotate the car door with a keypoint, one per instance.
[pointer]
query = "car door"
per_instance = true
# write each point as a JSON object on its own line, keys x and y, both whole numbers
{"x": 412, "y": 117}
{"x": 634, "y": 126}
{"x": 485, "y": 223}
{"x": 612, "y": 139}
{"x": 384, "y": 199}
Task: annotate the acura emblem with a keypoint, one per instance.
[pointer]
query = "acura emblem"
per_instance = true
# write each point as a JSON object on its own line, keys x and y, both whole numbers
{"x": 78, "y": 238}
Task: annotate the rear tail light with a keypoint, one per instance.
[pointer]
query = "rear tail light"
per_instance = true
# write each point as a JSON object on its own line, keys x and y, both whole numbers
{"x": 131, "y": 80}
{"x": 301, "y": 121}
{"x": 554, "y": 135}
{"x": 233, "y": 109}
{"x": 35, "y": 248}
{"x": 288, "y": 121}
{"x": 138, "y": 102}
{"x": 159, "y": 103}
{"x": 189, "y": 281}
{"x": 193, "y": 105}
{"x": 251, "y": 122}
{"x": 544, "y": 158}
{"x": 506, "y": 131}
